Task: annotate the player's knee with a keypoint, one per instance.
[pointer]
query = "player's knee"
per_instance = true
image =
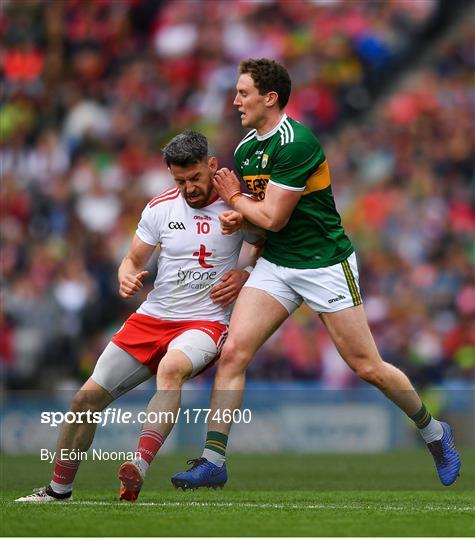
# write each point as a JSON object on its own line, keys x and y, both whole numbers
{"x": 371, "y": 373}
{"x": 87, "y": 400}
{"x": 171, "y": 375}
{"x": 233, "y": 358}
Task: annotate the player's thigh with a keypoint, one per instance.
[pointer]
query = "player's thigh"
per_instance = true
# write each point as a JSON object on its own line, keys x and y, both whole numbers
{"x": 117, "y": 371}
{"x": 256, "y": 316}
{"x": 352, "y": 336}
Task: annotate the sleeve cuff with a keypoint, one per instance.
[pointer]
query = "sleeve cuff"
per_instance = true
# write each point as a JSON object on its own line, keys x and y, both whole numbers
{"x": 289, "y": 188}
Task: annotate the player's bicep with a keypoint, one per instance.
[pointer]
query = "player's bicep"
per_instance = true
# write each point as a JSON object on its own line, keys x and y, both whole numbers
{"x": 140, "y": 252}
{"x": 279, "y": 205}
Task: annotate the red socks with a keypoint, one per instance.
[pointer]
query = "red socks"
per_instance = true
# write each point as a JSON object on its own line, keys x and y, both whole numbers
{"x": 149, "y": 444}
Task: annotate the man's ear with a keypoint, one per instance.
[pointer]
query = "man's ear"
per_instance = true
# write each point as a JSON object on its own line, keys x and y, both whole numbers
{"x": 213, "y": 164}
{"x": 271, "y": 99}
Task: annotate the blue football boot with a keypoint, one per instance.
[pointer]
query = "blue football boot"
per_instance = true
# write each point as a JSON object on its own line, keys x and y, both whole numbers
{"x": 446, "y": 457}
{"x": 202, "y": 473}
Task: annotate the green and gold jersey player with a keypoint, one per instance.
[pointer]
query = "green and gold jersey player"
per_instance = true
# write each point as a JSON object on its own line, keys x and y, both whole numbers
{"x": 291, "y": 157}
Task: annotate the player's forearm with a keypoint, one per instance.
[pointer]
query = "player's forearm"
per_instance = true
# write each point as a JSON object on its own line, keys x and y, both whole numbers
{"x": 259, "y": 213}
{"x": 128, "y": 266}
{"x": 254, "y": 229}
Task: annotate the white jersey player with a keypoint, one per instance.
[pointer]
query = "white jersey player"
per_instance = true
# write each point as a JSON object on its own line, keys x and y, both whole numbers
{"x": 178, "y": 330}
{"x": 193, "y": 256}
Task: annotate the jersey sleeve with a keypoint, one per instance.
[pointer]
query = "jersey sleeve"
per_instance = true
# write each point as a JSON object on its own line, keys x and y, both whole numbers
{"x": 295, "y": 163}
{"x": 148, "y": 229}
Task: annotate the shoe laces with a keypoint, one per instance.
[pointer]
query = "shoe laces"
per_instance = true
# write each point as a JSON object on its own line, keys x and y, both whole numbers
{"x": 437, "y": 451}
{"x": 40, "y": 491}
{"x": 197, "y": 462}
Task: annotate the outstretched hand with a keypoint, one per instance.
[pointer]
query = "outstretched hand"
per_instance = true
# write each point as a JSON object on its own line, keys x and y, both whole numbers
{"x": 132, "y": 283}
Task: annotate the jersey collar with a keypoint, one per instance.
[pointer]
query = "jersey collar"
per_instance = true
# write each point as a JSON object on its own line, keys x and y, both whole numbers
{"x": 211, "y": 201}
{"x": 273, "y": 131}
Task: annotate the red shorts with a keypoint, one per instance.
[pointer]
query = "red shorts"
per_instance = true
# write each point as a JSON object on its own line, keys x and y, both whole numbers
{"x": 147, "y": 338}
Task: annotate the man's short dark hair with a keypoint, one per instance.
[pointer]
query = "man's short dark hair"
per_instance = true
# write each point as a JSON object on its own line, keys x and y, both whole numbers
{"x": 185, "y": 149}
{"x": 268, "y": 76}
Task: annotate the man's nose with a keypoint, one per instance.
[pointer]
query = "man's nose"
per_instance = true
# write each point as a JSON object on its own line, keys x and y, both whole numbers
{"x": 237, "y": 101}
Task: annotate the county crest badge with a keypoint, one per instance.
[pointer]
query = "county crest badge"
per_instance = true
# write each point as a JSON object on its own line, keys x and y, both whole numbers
{"x": 265, "y": 159}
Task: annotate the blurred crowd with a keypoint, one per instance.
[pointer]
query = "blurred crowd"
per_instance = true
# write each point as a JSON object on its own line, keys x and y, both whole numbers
{"x": 91, "y": 90}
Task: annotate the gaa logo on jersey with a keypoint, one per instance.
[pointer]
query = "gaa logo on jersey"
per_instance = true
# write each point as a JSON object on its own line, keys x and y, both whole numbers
{"x": 176, "y": 225}
{"x": 265, "y": 159}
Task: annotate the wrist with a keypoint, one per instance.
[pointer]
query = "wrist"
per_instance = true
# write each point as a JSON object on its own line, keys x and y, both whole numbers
{"x": 248, "y": 269}
{"x": 234, "y": 198}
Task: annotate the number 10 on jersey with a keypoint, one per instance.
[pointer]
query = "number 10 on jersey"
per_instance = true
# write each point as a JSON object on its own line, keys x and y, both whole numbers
{"x": 203, "y": 227}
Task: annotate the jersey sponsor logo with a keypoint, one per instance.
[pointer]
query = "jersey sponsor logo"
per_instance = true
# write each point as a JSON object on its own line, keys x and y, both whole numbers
{"x": 176, "y": 225}
{"x": 202, "y": 254}
{"x": 337, "y": 299}
{"x": 195, "y": 279}
{"x": 257, "y": 184}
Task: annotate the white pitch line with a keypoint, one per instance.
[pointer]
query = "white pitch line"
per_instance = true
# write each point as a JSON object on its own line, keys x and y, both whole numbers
{"x": 281, "y": 506}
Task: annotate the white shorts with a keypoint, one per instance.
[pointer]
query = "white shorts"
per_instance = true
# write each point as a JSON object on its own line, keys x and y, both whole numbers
{"x": 325, "y": 290}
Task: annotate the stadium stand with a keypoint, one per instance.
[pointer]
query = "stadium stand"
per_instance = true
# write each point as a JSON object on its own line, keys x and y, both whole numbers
{"x": 91, "y": 90}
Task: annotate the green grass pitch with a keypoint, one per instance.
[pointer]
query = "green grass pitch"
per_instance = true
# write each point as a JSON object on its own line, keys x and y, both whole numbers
{"x": 395, "y": 494}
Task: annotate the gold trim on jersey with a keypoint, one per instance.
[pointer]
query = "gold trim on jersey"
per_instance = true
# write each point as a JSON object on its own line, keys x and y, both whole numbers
{"x": 319, "y": 180}
{"x": 253, "y": 177}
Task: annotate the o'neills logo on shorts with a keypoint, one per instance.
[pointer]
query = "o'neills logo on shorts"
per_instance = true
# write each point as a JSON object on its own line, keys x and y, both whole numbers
{"x": 196, "y": 279}
{"x": 337, "y": 299}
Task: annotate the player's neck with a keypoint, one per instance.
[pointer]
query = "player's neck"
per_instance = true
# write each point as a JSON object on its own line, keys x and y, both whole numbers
{"x": 212, "y": 197}
{"x": 271, "y": 121}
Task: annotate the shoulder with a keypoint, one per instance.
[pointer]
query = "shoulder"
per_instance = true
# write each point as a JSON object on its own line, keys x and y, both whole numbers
{"x": 249, "y": 137}
{"x": 298, "y": 143}
{"x": 295, "y": 133}
{"x": 168, "y": 195}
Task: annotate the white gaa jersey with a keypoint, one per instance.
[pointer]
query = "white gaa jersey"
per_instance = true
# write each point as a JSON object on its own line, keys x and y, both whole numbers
{"x": 193, "y": 257}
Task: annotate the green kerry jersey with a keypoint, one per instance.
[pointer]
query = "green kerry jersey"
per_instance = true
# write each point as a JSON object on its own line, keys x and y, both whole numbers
{"x": 290, "y": 156}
